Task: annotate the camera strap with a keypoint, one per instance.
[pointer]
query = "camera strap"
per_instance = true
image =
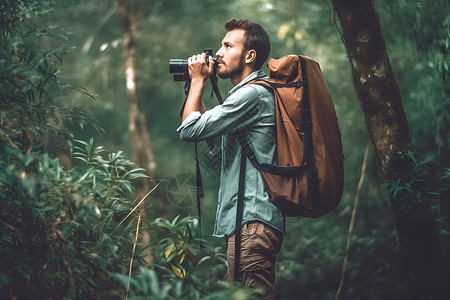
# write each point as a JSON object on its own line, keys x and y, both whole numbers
{"x": 199, "y": 191}
{"x": 214, "y": 81}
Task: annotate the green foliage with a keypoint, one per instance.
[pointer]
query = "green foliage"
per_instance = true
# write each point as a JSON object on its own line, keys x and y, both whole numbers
{"x": 406, "y": 182}
{"x": 109, "y": 179}
{"x": 147, "y": 285}
{"x": 309, "y": 264}
{"x": 180, "y": 252}
{"x": 55, "y": 232}
{"x": 57, "y": 222}
{"x": 184, "y": 266}
{"x": 177, "y": 240}
{"x": 443, "y": 219}
{"x": 30, "y": 80}
{"x": 422, "y": 27}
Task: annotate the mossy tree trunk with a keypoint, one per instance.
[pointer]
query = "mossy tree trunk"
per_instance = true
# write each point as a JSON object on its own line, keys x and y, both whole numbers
{"x": 381, "y": 103}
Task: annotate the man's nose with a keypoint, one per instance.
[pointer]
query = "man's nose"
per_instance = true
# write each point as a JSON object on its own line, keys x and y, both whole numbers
{"x": 218, "y": 53}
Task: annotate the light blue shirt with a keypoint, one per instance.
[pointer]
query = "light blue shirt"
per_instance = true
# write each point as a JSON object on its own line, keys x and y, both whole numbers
{"x": 250, "y": 108}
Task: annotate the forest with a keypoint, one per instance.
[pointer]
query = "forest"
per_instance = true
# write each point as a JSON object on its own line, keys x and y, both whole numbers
{"x": 98, "y": 192}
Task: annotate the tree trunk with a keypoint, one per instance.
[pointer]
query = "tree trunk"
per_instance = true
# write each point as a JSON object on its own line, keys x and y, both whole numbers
{"x": 140, "y": 137}
{"x": 381, "y": 103}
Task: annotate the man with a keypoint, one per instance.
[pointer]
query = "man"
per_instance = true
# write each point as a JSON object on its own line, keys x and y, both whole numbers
{"x": 250, "y": 109}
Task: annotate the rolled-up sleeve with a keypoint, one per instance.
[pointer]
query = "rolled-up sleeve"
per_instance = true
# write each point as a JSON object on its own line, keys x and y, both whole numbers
{"x": 238, "y": 111}
{"x": 190, "y": 119}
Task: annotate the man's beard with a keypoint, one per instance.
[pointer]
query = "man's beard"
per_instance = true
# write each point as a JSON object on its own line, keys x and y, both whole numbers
{"x": 237, "y": 70}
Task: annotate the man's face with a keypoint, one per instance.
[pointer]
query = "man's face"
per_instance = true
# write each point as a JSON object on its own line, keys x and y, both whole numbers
{"x": 231, "y": 55}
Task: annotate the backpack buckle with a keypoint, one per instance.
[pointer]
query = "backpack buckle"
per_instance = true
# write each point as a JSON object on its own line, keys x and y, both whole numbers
{"x": 249, "y": 153}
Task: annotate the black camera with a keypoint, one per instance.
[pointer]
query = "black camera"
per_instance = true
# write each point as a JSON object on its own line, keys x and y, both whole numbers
{"x": 179, "y": 67}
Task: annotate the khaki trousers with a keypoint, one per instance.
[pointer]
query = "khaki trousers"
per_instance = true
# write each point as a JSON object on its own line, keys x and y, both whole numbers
{"x": 260, "y": 244}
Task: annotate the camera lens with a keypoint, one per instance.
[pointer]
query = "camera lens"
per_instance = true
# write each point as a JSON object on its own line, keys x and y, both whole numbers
{"x": 178, "y": 66}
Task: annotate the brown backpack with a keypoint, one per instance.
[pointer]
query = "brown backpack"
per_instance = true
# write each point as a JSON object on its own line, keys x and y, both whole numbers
{"x": 309, "y": 178}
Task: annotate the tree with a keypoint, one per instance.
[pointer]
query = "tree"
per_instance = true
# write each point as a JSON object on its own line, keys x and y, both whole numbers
{"x": 142, "y": 146}
{"x": 381, "y": 103}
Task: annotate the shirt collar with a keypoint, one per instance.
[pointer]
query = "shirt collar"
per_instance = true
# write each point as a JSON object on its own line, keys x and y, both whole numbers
{"x": 258, "y": 74}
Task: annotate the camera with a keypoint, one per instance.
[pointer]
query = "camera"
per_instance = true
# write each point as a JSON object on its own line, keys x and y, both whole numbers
{"x": 179, "y": 67}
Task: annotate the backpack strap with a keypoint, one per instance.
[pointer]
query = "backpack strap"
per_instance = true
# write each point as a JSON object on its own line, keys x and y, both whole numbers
{"x": 308, "y": 149}
{"x": 239, "y": 214}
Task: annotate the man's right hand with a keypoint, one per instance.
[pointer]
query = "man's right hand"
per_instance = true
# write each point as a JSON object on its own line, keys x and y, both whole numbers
{"x": 199, "y": 72}
{"x": 198, "y": 69}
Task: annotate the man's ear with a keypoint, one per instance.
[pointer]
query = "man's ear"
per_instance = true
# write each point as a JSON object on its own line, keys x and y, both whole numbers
{"x": 250, "y": 57}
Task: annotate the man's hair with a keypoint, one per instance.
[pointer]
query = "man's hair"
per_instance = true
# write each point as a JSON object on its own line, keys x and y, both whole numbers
{"x": 256, "y": 38}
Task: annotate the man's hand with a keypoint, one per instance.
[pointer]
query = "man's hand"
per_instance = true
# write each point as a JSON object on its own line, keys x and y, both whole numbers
{"x": 199, "y": 72}
{"x": 198, "y": 69}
